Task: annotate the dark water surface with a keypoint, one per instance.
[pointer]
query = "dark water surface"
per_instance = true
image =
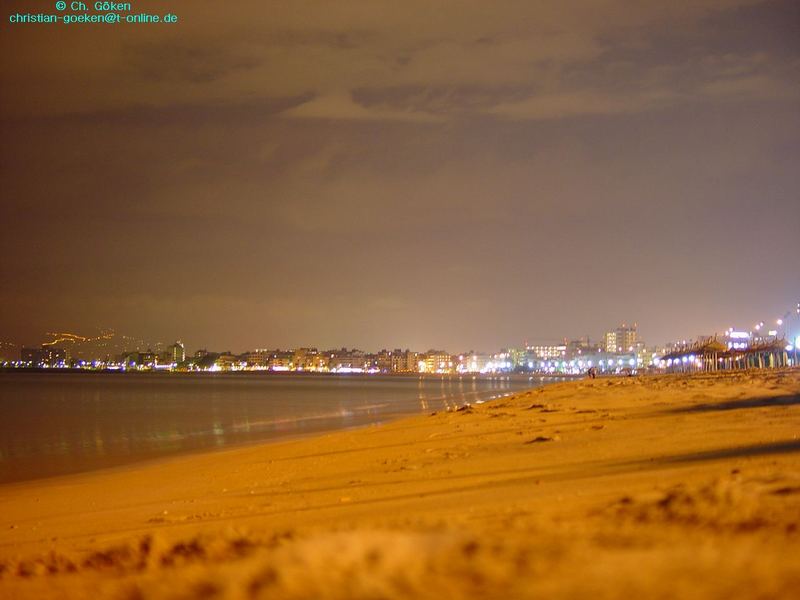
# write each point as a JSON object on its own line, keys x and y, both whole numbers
{"x": 59, "y": 423}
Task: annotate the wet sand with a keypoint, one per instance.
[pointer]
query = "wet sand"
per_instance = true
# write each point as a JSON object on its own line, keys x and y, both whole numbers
{"x": 657, "y": 487}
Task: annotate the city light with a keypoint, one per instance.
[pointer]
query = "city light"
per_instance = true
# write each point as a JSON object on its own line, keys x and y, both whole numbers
{"x": 570, "y": 359}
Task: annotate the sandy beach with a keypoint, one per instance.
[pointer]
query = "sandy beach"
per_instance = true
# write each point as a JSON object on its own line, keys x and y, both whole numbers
{"x": 655, "y": 487}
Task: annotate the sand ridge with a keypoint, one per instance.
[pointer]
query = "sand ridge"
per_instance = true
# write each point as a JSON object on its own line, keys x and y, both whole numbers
{"x": 668, "y": 486}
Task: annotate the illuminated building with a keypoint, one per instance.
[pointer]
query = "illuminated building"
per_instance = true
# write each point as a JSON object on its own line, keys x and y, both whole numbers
{"x": 176, "y": 352}
{"x": 281, "y": 361}
{"x": 436, "y": 361}
{"x": 737, "y": 340}
{"x": 610, "y": 340}
{"x": 257, "y": 359}
{"x": 403, "y": 361}
{"x": 347, "y": 361}
{"x": 46, "y": 356}
{"x": 394, "y": 361}
{"x": 309, "y": 359}
{"x": 517, "y": 357}
{"x": 34, "y": 356}
{"x": 138, "y": 360}
{"x": 547, "y": 352}
{"x": 500, "y": 362}
{"x": 382, "y": 361}
{"x": 582, "y": 347}
{"x": 227, "y": 361}
{"x": 472, "y": 362}
{"x": 622, "y": 339}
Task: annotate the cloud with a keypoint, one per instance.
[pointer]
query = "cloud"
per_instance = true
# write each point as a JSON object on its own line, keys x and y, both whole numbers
{"x": 620, "y": 87}
{"x": 581, "y": 103}
{"x": 340, "y": 105}
{"x": 267, "y": 50}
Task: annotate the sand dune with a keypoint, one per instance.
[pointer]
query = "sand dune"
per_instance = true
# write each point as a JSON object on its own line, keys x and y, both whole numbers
{"x": 657, "y": 487}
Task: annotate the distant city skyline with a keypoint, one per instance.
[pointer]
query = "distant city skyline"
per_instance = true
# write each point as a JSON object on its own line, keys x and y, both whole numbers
{"x": 614, "y": 338}
{"x": 621, "y": 351}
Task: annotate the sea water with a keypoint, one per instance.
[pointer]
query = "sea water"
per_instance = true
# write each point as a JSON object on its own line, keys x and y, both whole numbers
{"x": 61, "y": 423}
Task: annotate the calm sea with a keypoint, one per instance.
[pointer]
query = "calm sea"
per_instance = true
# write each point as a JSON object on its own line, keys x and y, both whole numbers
{"x": 59, "y": 423}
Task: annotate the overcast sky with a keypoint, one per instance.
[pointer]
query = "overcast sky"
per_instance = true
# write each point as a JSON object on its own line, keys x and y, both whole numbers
{"x": 458, "y": 174}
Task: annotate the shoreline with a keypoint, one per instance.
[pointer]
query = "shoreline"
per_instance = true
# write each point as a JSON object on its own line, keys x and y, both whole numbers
{"x": 178, "y": 455}
{"x": 303, "y": 427}
{"x": 143, "y": 463}
{"x": 610, "y": 484}
{"x": 268, "y": 373}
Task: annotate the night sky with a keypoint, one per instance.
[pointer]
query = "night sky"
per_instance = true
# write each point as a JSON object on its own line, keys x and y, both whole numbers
{"x": 452, "y": 174}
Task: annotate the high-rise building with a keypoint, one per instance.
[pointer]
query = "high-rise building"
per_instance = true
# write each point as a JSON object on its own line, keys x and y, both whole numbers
{"x": 621, "y": 339}
{"x": 610, "y": 340}
{"x": 176, "y": 352}
{"x": 626, "y": 338}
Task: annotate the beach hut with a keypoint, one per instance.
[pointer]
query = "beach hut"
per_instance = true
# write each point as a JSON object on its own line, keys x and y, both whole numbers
{"x": 702, "y": 355}
{"x": 709, "y": 355}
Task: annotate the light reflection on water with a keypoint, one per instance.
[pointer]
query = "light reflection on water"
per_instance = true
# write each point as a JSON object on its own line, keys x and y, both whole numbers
{"x": 58, "y": 423}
